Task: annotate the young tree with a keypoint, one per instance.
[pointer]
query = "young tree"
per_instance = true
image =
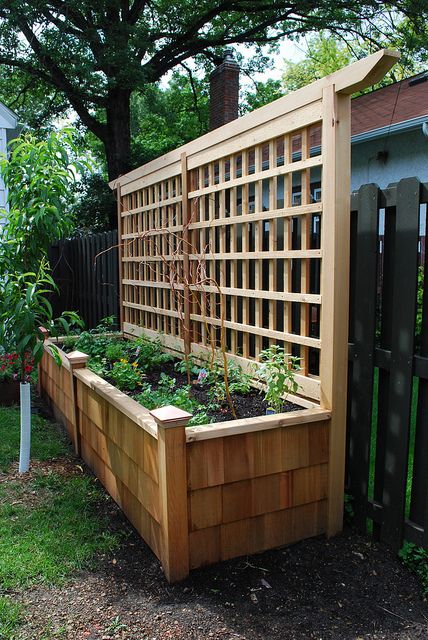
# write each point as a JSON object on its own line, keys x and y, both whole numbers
{"x": 37, "y": 176}
{"x": 97, "y": 54}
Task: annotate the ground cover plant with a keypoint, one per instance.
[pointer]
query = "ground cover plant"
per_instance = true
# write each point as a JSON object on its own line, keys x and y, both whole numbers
{"x": 51, "y": 520}
{"x": 155, "y": 378}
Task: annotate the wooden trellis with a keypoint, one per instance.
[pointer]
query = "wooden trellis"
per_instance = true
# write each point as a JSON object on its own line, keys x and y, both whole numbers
{"x": 242, "y": 237}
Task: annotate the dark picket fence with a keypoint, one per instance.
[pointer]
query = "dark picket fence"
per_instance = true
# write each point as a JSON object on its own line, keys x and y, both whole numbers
{"x": 387, "y": 470}
{"x": 86, "y": 272}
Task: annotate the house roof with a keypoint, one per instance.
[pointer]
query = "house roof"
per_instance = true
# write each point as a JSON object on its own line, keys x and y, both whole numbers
{"x": 381, "y": 110}
{"x": 390, "y": 105}
{"x": 8, "y": 119}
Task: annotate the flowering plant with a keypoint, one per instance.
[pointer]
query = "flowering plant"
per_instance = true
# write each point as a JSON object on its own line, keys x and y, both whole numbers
{"x": 11, "y": 367}
{"x": 126, "y": 375}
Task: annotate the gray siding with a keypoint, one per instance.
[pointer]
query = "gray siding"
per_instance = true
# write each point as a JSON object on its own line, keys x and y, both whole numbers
{"x": 407, "y": 157}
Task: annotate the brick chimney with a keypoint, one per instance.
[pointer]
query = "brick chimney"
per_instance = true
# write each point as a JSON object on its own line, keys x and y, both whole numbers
{"x": 224, "y": 91}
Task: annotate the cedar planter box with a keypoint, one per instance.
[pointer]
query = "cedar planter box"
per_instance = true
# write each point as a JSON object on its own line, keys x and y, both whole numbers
{"x": 9, "y": 393}
{"x": 197, "y": 495}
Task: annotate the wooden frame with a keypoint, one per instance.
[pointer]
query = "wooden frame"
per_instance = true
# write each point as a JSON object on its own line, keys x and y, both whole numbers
{"x": 196, "y": 495}
{"x": 224, "y": 203}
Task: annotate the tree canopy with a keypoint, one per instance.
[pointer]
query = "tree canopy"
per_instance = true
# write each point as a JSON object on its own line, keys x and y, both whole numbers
{"x": 326, "y": 53}
{"x": 94, "y": 57}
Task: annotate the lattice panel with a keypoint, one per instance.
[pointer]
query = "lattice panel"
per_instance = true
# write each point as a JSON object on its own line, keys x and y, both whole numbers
{"x": 255, "y": 219}
{"x": 240, "y": 238}
{"x": 152, "y": 225}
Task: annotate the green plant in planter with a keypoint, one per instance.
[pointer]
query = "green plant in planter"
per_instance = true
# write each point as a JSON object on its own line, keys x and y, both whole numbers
{"x": 239, "y": 380}
{"x": 168, "y": 394}
{"x": 98, "y": 366}
{"x": 125, "y": 375}
{"x": 115, "y": 350}
{"x": 147, "y": 353}
{"x": 278, "y": 371}
{"x": 182, "y": 366}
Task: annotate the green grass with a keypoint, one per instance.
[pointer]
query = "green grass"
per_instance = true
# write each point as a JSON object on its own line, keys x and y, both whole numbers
{"x": 61, "y": 533}
{"x": 10, "y": 618}
{"x": 46, "y": 443}
{"x": 51, "y": 525}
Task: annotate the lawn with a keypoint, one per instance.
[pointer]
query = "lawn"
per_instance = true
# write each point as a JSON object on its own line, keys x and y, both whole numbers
{"x": 47, "y": 443}
{"x": 51, "y": 520}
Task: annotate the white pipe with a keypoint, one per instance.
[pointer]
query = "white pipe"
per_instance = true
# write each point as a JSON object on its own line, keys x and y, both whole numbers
{"x": 24, "y": 452}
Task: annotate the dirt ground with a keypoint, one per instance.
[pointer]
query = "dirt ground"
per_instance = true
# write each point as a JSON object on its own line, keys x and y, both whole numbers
{"x": 346, "y": 588}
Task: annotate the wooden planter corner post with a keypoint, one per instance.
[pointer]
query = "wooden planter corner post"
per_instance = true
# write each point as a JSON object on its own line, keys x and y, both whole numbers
{"x": 171, "y": 424}
{"x": 45, "y": 333}
{"x": 77, "y": 360}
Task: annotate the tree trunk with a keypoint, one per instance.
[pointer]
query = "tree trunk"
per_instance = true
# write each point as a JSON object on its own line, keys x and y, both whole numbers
{"x": 118, "y": 137}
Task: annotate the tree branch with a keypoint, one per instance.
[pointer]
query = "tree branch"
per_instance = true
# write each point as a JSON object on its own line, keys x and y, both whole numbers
{"x": 59, "y": 79}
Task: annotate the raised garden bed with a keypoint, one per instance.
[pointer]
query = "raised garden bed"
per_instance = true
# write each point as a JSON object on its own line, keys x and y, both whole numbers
{"x": 196, "y": 494}
{"x": 154, "y": 378}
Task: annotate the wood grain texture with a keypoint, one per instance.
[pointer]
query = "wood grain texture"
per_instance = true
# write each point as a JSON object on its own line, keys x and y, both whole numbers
{"x": 173, "y": 502}
{"x": 254, "y": 535}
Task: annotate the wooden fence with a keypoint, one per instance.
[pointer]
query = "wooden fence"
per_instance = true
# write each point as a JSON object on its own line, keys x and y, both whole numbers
{"x": 387, "y": 473}
{"x": 86, "y": 271}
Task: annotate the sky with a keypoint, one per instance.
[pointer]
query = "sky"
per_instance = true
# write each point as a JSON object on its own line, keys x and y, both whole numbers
{"x": 288, "y": 49}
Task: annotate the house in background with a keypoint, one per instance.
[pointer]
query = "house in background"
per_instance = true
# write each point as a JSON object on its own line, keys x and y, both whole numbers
{"x": 9, "y": 129}
{"x": 389, "y": 129}
{"x": 390, "y": 133}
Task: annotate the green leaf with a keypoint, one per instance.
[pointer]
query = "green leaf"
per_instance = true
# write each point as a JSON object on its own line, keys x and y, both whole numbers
{"x": 55, "y": 354}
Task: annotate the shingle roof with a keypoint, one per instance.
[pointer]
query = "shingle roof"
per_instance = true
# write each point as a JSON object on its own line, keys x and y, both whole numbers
{"x": 395, "y": 103}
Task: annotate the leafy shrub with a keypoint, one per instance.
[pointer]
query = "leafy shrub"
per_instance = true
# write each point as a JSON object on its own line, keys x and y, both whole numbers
{"x": 148, "y": 354}
{"x": 278, "y": 372}
{"x": 95, "y": 346}
{"x": 115, "y": 350}
{"x": 98, "y": 366}
{"x": 11, "y": 367}
{"x": 125, "y": 375}
{"x": 416, "y": 559}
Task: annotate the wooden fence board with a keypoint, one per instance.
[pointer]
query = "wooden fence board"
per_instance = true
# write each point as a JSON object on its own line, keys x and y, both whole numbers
{"x": 402, "y": 348}
{"x": 87, "y": 284}
{"x": 398, "y": 359}
{"x": 362, "y": 337}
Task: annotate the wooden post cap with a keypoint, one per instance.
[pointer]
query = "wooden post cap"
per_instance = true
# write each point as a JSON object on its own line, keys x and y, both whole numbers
{"x": 45, "y": 332}
{"x": 170, "y": 416}
{"x": 77, "y": 359}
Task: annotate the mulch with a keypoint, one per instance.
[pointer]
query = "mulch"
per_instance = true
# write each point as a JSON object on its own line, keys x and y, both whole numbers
{"x": 346, "y": 588}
